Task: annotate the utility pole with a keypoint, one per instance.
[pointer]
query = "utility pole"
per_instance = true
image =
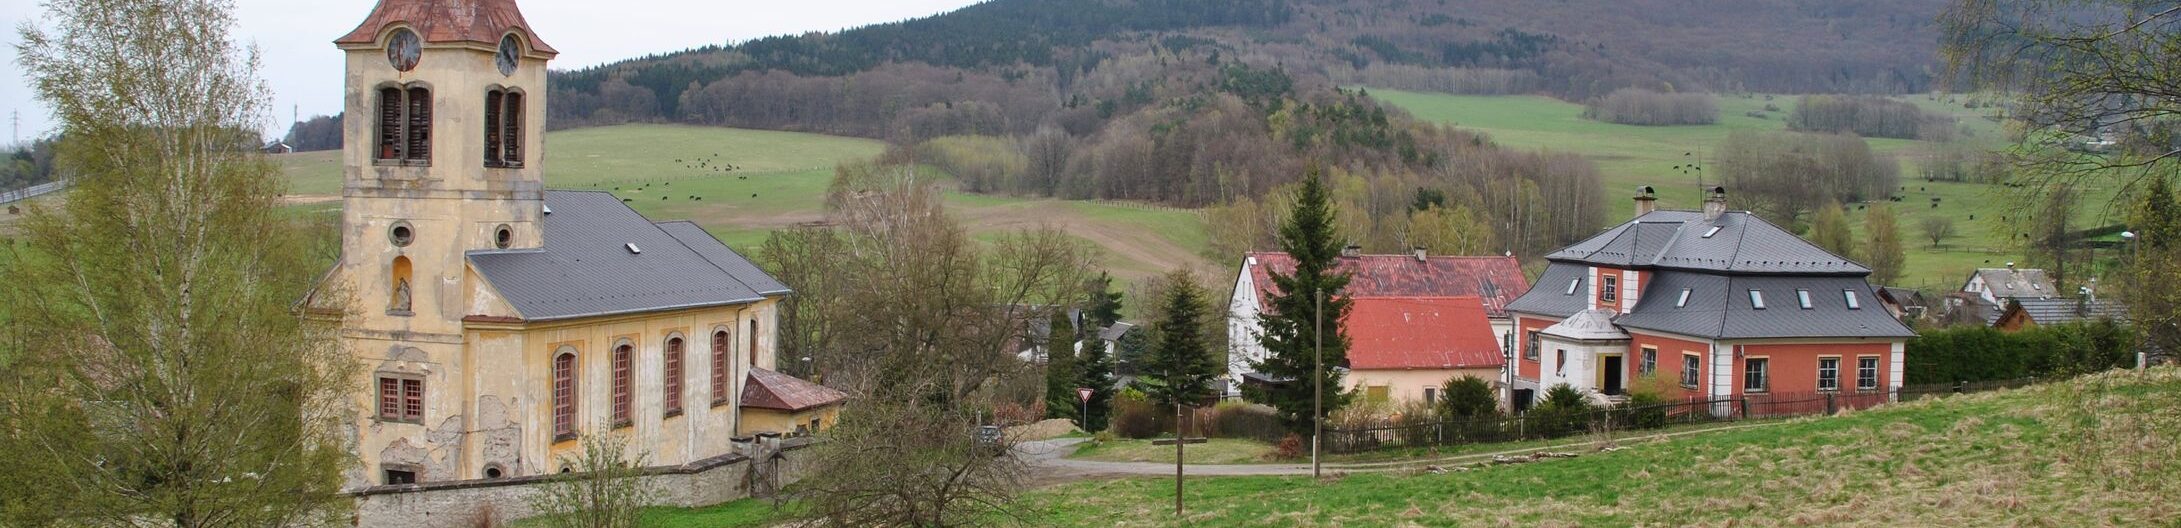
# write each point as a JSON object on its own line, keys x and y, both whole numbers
{"x": 1181, "y": 437}
{"x": 1317, "y": 383}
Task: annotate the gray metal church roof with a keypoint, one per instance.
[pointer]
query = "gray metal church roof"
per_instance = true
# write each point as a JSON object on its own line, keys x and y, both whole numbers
{"x": 585, "y": 267}
{"x": 1741, "y": 244}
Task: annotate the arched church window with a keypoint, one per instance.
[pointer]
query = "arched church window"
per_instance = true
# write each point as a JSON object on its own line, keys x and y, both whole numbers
{"x": 564, "y": 394}
{"x": 623, "y": 371}
{"x": 672, "y": 399}
{"x": 399, "y": 298}
{"x": 721, "y": 342}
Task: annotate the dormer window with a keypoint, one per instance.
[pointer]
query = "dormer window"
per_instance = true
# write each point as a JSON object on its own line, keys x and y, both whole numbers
{"x": 405, "y": 125}
{"x": 1756, "y": 299}
{"x": 1609, "y": 289}
{"x": 1684, "y": 300}
{"x": 1803, "y": 297}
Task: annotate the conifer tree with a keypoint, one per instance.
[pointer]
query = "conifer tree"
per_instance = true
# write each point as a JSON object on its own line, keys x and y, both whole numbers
{"x": 1180, "y": 367}
{"x": 1103, "y": 308}
{"x": 2153, "y": 265}
{"x": 1290, "y": 329}
{"x": 1095, "y": 365}
{"x": 1060, "y": 368}
{"x": 1882, "y": 245}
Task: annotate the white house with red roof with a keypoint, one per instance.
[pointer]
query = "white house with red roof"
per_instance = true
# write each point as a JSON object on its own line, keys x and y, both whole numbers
{"x": 1406, "y": 348}
{"x": 1723, "y": 303}
{"x": 1410, "y": 288}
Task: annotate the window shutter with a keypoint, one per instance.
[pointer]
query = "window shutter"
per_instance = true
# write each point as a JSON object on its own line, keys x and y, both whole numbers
{"x": 389, "y": 124}
{"x": 492, "y": 128}
{"x": 420, "y": 125}
{"x": 511, "y": 136}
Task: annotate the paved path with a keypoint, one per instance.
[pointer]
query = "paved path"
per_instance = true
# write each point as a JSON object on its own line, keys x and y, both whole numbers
{"x": 1048, "y": 459}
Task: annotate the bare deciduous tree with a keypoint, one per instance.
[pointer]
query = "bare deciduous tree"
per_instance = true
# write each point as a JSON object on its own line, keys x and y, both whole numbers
{"x": 1937, "y": 228}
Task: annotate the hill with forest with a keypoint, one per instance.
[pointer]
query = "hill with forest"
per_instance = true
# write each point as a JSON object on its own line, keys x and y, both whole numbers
{"x": 1195, "y": 103}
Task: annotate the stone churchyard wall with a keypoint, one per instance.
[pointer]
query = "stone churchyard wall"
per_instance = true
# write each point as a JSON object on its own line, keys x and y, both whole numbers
{"x": 755, "y": 468}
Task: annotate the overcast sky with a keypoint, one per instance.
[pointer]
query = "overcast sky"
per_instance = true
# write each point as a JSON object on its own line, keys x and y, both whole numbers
{"x": 304, "y": 69}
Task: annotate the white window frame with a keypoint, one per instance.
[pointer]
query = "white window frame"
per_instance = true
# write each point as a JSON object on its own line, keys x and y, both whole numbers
{"x": 1647, "y": 360}
{"x": 1684, "y": 301}
{"x": 1764, "y": 375}
{"x": 1822, "y": 378}
{"x": 1859, "y": 378}
{"x": 1572, "y": 284}
{"x": 1756, "y": 299}
{"x": 1854, "y": 303}
{"x": 1803, "y": 297}
{"x": 1692, "y": 370}
{"x": 1714, "y": 231}
{"x": 1609, "y": 288}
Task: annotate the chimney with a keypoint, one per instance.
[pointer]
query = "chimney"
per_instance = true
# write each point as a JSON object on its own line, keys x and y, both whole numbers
{"x": 1420, "y": 253}
{"x": 1646, "y": 201}
{"x": 1352, "y": 251}
{"x": 1715, "y": 203}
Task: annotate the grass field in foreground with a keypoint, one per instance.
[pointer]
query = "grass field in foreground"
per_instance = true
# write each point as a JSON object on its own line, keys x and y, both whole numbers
{"x": 780, "y": 181}
{"x": 1628, "y": 156}
{"x": 2098, "y": 451}
{"x": 1213, "y": 451}
{"x": 1989, "y": 459}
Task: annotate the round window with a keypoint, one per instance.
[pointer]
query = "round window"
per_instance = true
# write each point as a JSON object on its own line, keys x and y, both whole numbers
{"x": 402, "y": 234}
{"x": 493, "y": 471}
{"x": 503, "y": 236}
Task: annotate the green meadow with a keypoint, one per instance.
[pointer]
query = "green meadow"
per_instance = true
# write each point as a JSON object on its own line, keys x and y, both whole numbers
{"x": 779, "y": 179}
{"x": 1629, "y": 156}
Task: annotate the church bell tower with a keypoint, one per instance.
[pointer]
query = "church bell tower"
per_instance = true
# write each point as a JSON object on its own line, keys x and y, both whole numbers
{"x": 441, "y": 154}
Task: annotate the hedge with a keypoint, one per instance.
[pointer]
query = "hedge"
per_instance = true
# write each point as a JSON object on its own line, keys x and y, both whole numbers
{"x": 1984, "y": 354}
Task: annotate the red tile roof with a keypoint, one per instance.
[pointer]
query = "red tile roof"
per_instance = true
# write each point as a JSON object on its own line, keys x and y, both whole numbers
{"x": 480, "y": 21}
{"x": 1493, "y": 280}
{"x": 1420, "y": 333}
{"x": 772, "y": 390}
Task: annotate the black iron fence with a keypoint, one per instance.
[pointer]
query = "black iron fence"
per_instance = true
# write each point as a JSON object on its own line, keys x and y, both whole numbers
{"x": 1399, "y": 432}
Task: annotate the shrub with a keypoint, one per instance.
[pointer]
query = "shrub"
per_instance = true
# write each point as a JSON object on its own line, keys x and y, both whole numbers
{"x": 1563, "y": 411}
{"x": 1136, "y": 418}
{"x": 1468, "y": 398}
{"x": 1868, "y": 117}
{"x": 1233, "y": 419}
{"x": 1644, "y": 411}
{"x": 1979, "y": 353}
{"x": 1290, "y": 447}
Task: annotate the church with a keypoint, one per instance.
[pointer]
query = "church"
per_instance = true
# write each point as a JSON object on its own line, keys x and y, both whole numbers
{"x": 497, "y": 322}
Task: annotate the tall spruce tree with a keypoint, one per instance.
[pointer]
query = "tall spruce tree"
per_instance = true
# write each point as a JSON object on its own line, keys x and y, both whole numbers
{"x": 2152, "y": 266}
{"x": 1290, "y": 331}
{"x": 1095, "y": 368}
{"x": 1103, "y": 307}
{"x": 1060, "y": 370}
{"x": 1180, "y": 367}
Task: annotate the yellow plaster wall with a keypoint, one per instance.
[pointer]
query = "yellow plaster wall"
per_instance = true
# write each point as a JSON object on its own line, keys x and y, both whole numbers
{"x": 1408, "y": 385}
{"x": 770, "y": 421}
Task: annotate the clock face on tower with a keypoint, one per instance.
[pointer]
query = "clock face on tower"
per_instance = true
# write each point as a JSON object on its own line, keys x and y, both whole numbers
{"x": 403, "y": 48}
{"x": 510, "y": 54}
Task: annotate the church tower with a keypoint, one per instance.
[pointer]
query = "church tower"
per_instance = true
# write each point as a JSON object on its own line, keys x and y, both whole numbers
{"x": 442, "y": 142}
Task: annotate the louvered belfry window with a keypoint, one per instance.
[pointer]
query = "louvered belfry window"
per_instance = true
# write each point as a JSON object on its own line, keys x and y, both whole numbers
{"x": 503, "y": 128}
{"x": 405, "y": 125}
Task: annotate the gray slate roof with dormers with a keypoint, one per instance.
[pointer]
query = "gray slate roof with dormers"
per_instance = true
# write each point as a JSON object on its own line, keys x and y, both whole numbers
{"x": 585, "y": 268}
{"x": 1720, "y": 307}
{"x": 1551, "y": 293}
{"x": 1743, "y": 244}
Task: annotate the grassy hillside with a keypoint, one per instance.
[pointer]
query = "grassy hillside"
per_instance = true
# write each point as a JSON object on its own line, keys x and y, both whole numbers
{"x": 780, "y": 180}
{"x": 1629, "y": 156}
{"x": 2031, "y": 457}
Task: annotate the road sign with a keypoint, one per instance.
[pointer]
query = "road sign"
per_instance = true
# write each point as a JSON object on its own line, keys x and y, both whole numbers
{"x": 1083, "y": 393}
